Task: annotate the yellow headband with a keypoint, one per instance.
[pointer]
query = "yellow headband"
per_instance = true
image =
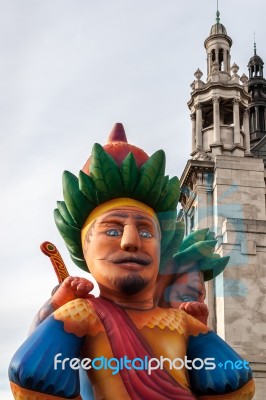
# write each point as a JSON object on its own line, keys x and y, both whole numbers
{"x": 108, "y": 205}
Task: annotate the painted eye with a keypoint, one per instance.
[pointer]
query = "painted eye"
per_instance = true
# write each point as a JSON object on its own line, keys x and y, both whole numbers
{"x": 145, "y": 234}
{"x": 187, "y": 298}
{"x": 113, "y": 232}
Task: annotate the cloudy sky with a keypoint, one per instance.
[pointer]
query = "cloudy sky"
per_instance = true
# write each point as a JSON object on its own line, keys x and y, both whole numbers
{"x": 69, "y": 70}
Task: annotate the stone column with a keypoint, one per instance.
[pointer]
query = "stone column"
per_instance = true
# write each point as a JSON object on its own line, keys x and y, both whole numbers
{"x": 246, "y": 130}
{"x": 256, "y": 118}
{"x": 216, "y": 119}
{"x": 217, "y": 55}
{"x": 225, "y": 60}
{"x": 252, "y": 121}
{"x": 209, "y": 63}
{"x": 198, "y": 125}
{"x": 236, "y": 121}
{"x": 193, "y": 121}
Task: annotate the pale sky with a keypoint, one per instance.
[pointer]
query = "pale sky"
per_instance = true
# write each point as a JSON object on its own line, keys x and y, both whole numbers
{"x": 69, "y": 70}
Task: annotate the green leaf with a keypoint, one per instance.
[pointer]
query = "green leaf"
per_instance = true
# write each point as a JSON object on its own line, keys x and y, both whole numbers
{"x": 61, "y": 205}
{"x": 164, "y": 190}
{"x": 193, "y": 237}
{"x": 130, "y": 174}
{"x": 81, "y": 263}
{"x": 70, "y": 234}
{"x": 105, "y": 175}
{"x": 167, "y": 221}
{"x": 196, "y": 252}
{"x": 173, "y": 246}
{"x": 77, "y": 204}
{"x": 87, "y": 187}
{"x": 151, "y": 179}
{"x": 171, "y": 200}
{"x": 209, "y": 236}
{"x": 213, "y": 267}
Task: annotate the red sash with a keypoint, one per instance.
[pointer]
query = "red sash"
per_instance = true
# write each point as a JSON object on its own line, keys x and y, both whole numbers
{"x": 126, "y": 340}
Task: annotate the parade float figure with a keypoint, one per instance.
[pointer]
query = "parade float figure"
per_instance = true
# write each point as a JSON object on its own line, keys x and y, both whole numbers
{"x": 181, "y": 283}
{"x": 118, "y": 220}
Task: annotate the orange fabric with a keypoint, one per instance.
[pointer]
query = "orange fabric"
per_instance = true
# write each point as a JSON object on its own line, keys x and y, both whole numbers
{"x": 79, "y": 318}
{"x": 24, "y": 394}
{"x": 245, "y": 393}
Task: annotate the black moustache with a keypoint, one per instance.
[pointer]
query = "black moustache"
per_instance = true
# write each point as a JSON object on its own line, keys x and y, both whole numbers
{"x": 134, "y": 259}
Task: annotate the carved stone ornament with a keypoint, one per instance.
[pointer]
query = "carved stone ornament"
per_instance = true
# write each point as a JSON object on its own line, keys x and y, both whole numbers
{"x": 216, "y": 99}
{"x": 234, "y": 68}
{"x": 215, "y": 67}
{"x": 198, "y": 106}
{"x": 198, "y": 74}
{"x": 244, "y": 79}
{"x": 202, "y": 155}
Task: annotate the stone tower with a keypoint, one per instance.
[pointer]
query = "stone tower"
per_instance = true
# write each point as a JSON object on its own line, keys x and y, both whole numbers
{"x": 223, "y": 189}
{"x": 257, "y": 106}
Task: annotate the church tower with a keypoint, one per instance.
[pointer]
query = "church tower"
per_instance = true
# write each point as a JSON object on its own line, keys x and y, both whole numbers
{"x": 223, "y": 189}
{"x": 219, "y": 106}
{"x": 257, "y": 106}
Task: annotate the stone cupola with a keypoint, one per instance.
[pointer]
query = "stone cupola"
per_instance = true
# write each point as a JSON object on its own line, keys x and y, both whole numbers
{"x": 257, "y": 106}
{"x": 220, "y": 122}
{"x": 218, "y": 46}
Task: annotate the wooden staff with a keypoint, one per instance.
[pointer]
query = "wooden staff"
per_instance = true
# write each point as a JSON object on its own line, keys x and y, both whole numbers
{"x": 51, "y": 251}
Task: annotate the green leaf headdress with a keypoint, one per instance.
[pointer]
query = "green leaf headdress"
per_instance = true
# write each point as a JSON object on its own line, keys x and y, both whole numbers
{"x": 198, "y": 248}
{"x": 119, "y": 170}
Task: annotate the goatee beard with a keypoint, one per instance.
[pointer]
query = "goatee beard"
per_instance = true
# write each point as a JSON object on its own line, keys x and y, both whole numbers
{"x": 131, "y": 284}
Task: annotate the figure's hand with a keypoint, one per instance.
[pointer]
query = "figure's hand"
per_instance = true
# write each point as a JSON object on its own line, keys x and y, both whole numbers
{"x": 196, "y": 309}
{"x": 71, "y": 289}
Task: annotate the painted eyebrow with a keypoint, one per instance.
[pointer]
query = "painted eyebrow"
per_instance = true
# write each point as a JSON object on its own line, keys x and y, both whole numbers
{"x": 152, "y": 223}
{"x": 196, "y": 291}
{"x": 122, "y": 214}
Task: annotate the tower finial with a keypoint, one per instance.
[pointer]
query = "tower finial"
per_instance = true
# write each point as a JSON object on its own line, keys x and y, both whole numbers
{"x": 217, "y": 13}
{"x": 255, "y": 49}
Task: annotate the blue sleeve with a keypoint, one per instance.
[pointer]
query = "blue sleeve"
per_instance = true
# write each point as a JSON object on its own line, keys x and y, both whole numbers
{"x": 86, "y": 391}
{"x": 224, "y": 371}
{"x": 34, "y": 366}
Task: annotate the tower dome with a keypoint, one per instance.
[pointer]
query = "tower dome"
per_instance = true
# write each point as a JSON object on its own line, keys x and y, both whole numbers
{"x": 218, "y": 45}
{"x": 255, "y": 60}
{"x": 218, "y": 29}
{"x": 255, "y": 65}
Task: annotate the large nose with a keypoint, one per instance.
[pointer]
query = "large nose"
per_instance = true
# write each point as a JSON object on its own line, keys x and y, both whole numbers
{"x": 130, "y": 239}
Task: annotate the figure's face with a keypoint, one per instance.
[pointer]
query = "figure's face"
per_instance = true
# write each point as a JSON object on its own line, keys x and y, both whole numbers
{"x": 188, "y": 286}
{"x": 122, "y": 250}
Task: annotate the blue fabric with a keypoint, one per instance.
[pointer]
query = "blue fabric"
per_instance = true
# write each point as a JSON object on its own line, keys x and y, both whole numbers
{"x": 230, "y": 372}
{"x": 86, "y": 391}
{"x": 33, "y": 368}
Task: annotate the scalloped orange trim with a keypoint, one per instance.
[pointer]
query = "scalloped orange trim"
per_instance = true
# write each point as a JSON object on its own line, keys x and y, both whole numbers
{"x": 79, "y": 318}
{"x": 168, "y": 318}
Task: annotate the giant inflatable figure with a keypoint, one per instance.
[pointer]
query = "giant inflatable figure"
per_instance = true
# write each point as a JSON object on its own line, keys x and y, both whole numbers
{"x": 118, "y": 220}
